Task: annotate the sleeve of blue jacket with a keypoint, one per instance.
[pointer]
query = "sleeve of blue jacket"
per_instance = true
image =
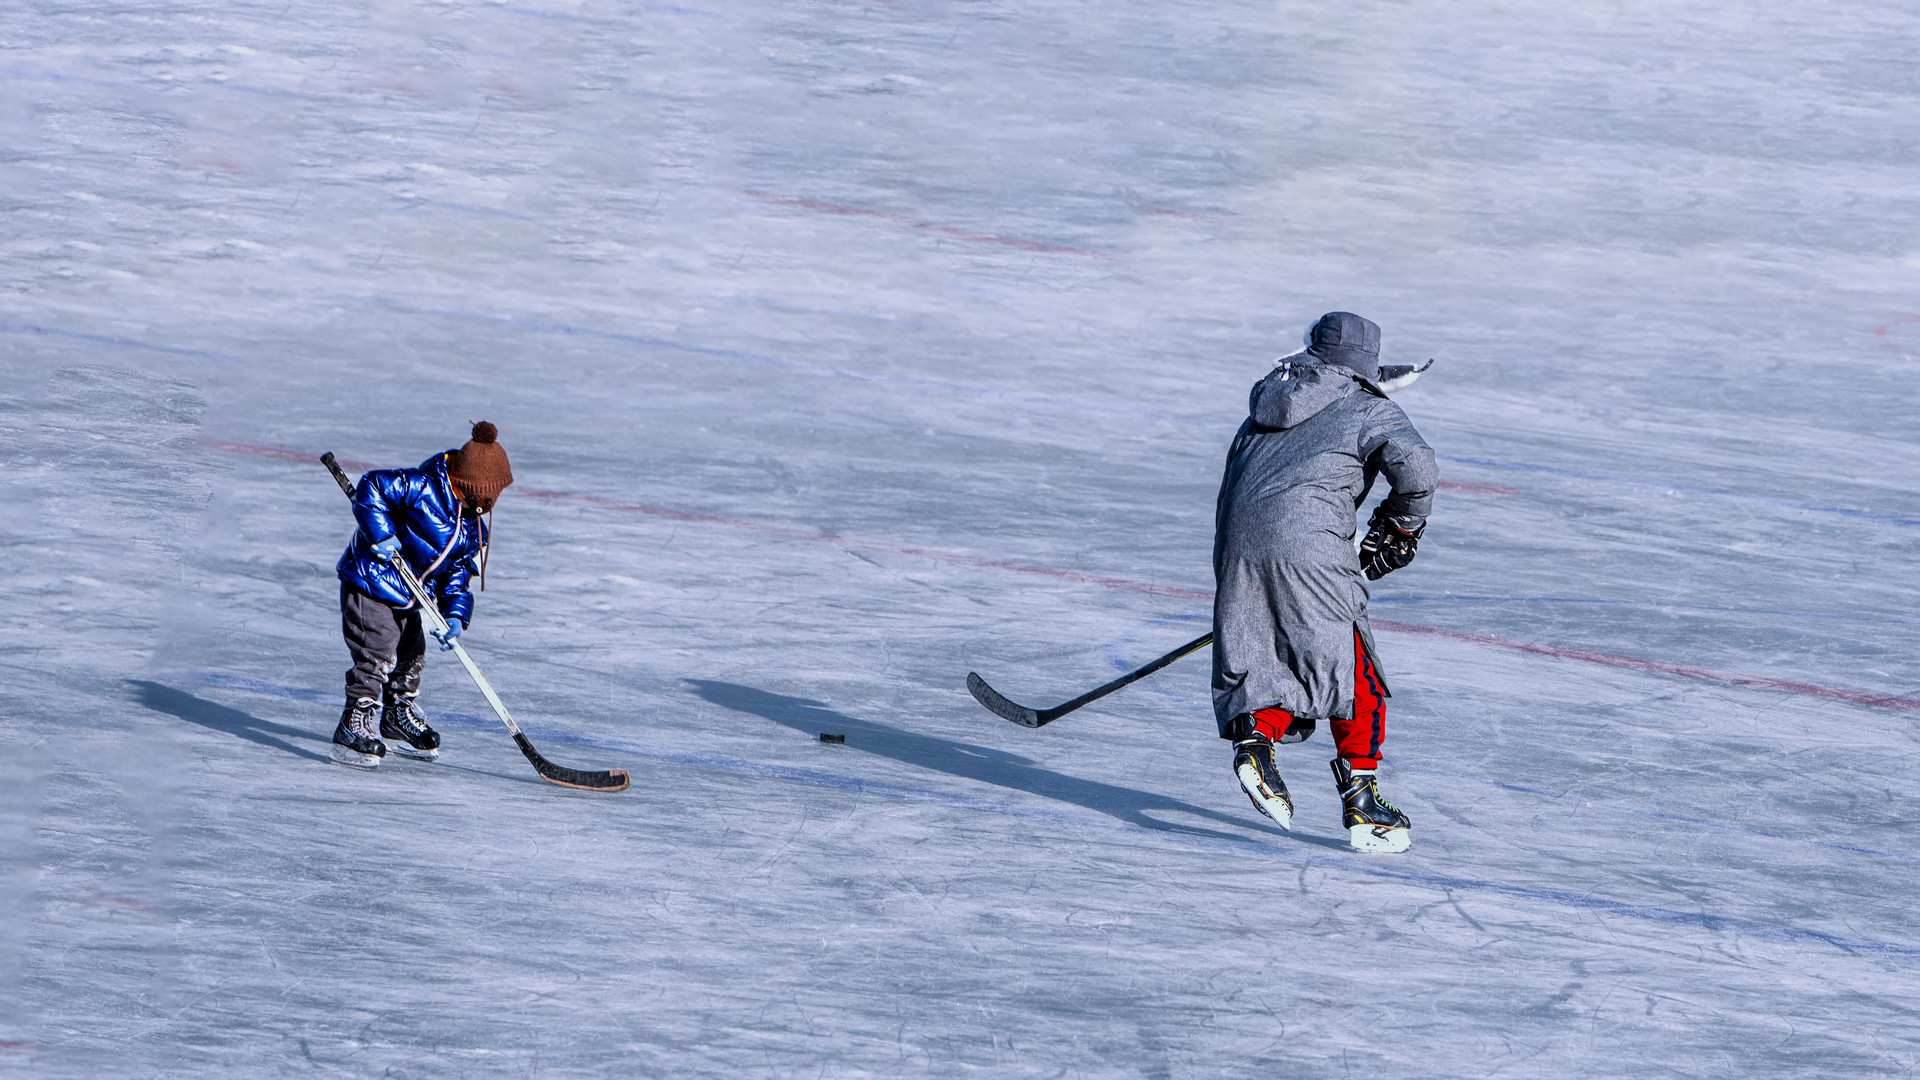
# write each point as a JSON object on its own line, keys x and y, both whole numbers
{"x": 372, "y": 507}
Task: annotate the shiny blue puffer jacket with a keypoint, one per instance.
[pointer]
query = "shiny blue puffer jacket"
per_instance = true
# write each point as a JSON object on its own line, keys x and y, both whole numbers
{"x": 418, "y": 506}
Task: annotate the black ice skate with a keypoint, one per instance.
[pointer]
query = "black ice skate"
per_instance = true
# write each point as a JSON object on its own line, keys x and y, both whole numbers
{"x": 354, "y": 742}
{"x": 1253, "y": 764}
{"x": 1373, "y": 823}
{"x": 405, "y": 726}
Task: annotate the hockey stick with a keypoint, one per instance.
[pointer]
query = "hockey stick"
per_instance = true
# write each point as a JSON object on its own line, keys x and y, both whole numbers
{"x": 614, "y": 780}
{"x": 998, "y": 705}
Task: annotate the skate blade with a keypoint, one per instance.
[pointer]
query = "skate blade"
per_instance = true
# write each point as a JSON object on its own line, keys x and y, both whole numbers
{"x": 407, "y": 751}
{"x": 1263, "y": 801}
{"x": 347, "y": 755}
{"x": 1371, "y": 838}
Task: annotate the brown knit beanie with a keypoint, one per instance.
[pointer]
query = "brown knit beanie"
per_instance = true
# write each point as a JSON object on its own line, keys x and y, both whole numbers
{"x": 478, "y": 470}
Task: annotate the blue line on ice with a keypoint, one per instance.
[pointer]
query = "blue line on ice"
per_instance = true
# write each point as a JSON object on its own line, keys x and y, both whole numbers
{"x": 1653, "y": 813}
{"x": 119, "y": 84}
{"x": 126, "y": 343}
{"x": 53, "y": 76}
{"x": 1352, "y": 863}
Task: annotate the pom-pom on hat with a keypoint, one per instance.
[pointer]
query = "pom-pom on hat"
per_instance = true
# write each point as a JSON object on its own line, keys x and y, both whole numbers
{"x": 479, "y": 470}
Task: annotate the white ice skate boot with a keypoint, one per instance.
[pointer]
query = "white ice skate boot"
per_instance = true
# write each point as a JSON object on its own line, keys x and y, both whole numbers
{"x": 1253, "y": 764}
{"x": 354, "y": 741}
{"x": 1373, "y": 823}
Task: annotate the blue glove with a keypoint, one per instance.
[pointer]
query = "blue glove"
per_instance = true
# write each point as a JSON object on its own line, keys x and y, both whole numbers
{"x": 388, "y": 549}
{"x": 454, "y": 626}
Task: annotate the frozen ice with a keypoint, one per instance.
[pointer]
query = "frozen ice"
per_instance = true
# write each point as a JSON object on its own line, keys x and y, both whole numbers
{"x": 844, "y": 348}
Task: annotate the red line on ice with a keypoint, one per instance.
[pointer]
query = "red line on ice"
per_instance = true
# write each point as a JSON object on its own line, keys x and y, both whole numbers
{"x": 1561, "y": 652}
{"x": 1161, "y": 211}
{"x": 284, "y": 454}
{"x": 1731, "y": 678}
{"x": 934, "y": 554}
{"x": 1476, "y": 489}
{"x": 828, "y": 208}
{"x": 943, "y": 230}
{"x": 1884, "y": 333}
{"x": 785, "y": 532}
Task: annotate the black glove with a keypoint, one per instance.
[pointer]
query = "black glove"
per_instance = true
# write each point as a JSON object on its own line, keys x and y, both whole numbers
{"x": 1387, "y": 547}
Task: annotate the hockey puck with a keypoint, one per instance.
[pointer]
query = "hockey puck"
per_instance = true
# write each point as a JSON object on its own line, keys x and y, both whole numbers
{"x": 830, "y": 737}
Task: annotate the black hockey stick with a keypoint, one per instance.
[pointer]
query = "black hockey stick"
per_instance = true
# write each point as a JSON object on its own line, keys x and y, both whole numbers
{"x": 998, "y": 705}
{"x": 614, "y": 780}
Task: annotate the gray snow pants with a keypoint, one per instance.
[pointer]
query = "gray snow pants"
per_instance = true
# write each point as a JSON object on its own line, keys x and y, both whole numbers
{"x": 388, "y": 647}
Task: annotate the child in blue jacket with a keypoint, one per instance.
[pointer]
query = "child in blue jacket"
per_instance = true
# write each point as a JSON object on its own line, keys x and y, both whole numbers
{"x": 430, "y": 516}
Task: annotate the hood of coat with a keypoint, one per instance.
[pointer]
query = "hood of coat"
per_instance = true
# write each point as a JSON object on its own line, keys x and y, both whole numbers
{"x": 1341, "y": 337}
{"x": 1297, "y": 392}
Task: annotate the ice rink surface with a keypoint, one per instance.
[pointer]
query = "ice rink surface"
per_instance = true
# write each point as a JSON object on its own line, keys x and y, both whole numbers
{"x": 842, "y": 349}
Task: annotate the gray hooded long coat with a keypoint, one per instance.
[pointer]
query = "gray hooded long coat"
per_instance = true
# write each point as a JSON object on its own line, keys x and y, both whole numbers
{"x": 1290, "y": 593}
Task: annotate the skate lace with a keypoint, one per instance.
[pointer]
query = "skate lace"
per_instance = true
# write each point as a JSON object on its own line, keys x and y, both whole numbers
{"x": 1381, "y": 800}
{"x": 365, "y": 720}
{"x": 1371, "y": 789}
{"x": 408, "y": 718}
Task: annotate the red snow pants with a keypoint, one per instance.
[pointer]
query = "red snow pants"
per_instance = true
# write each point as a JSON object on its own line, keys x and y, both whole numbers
{"x": 1358, "y": 740}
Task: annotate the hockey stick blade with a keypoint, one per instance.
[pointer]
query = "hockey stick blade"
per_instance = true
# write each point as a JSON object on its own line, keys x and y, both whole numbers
{"x": 998, "y": 705}
{"x": 610, "y": 781}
